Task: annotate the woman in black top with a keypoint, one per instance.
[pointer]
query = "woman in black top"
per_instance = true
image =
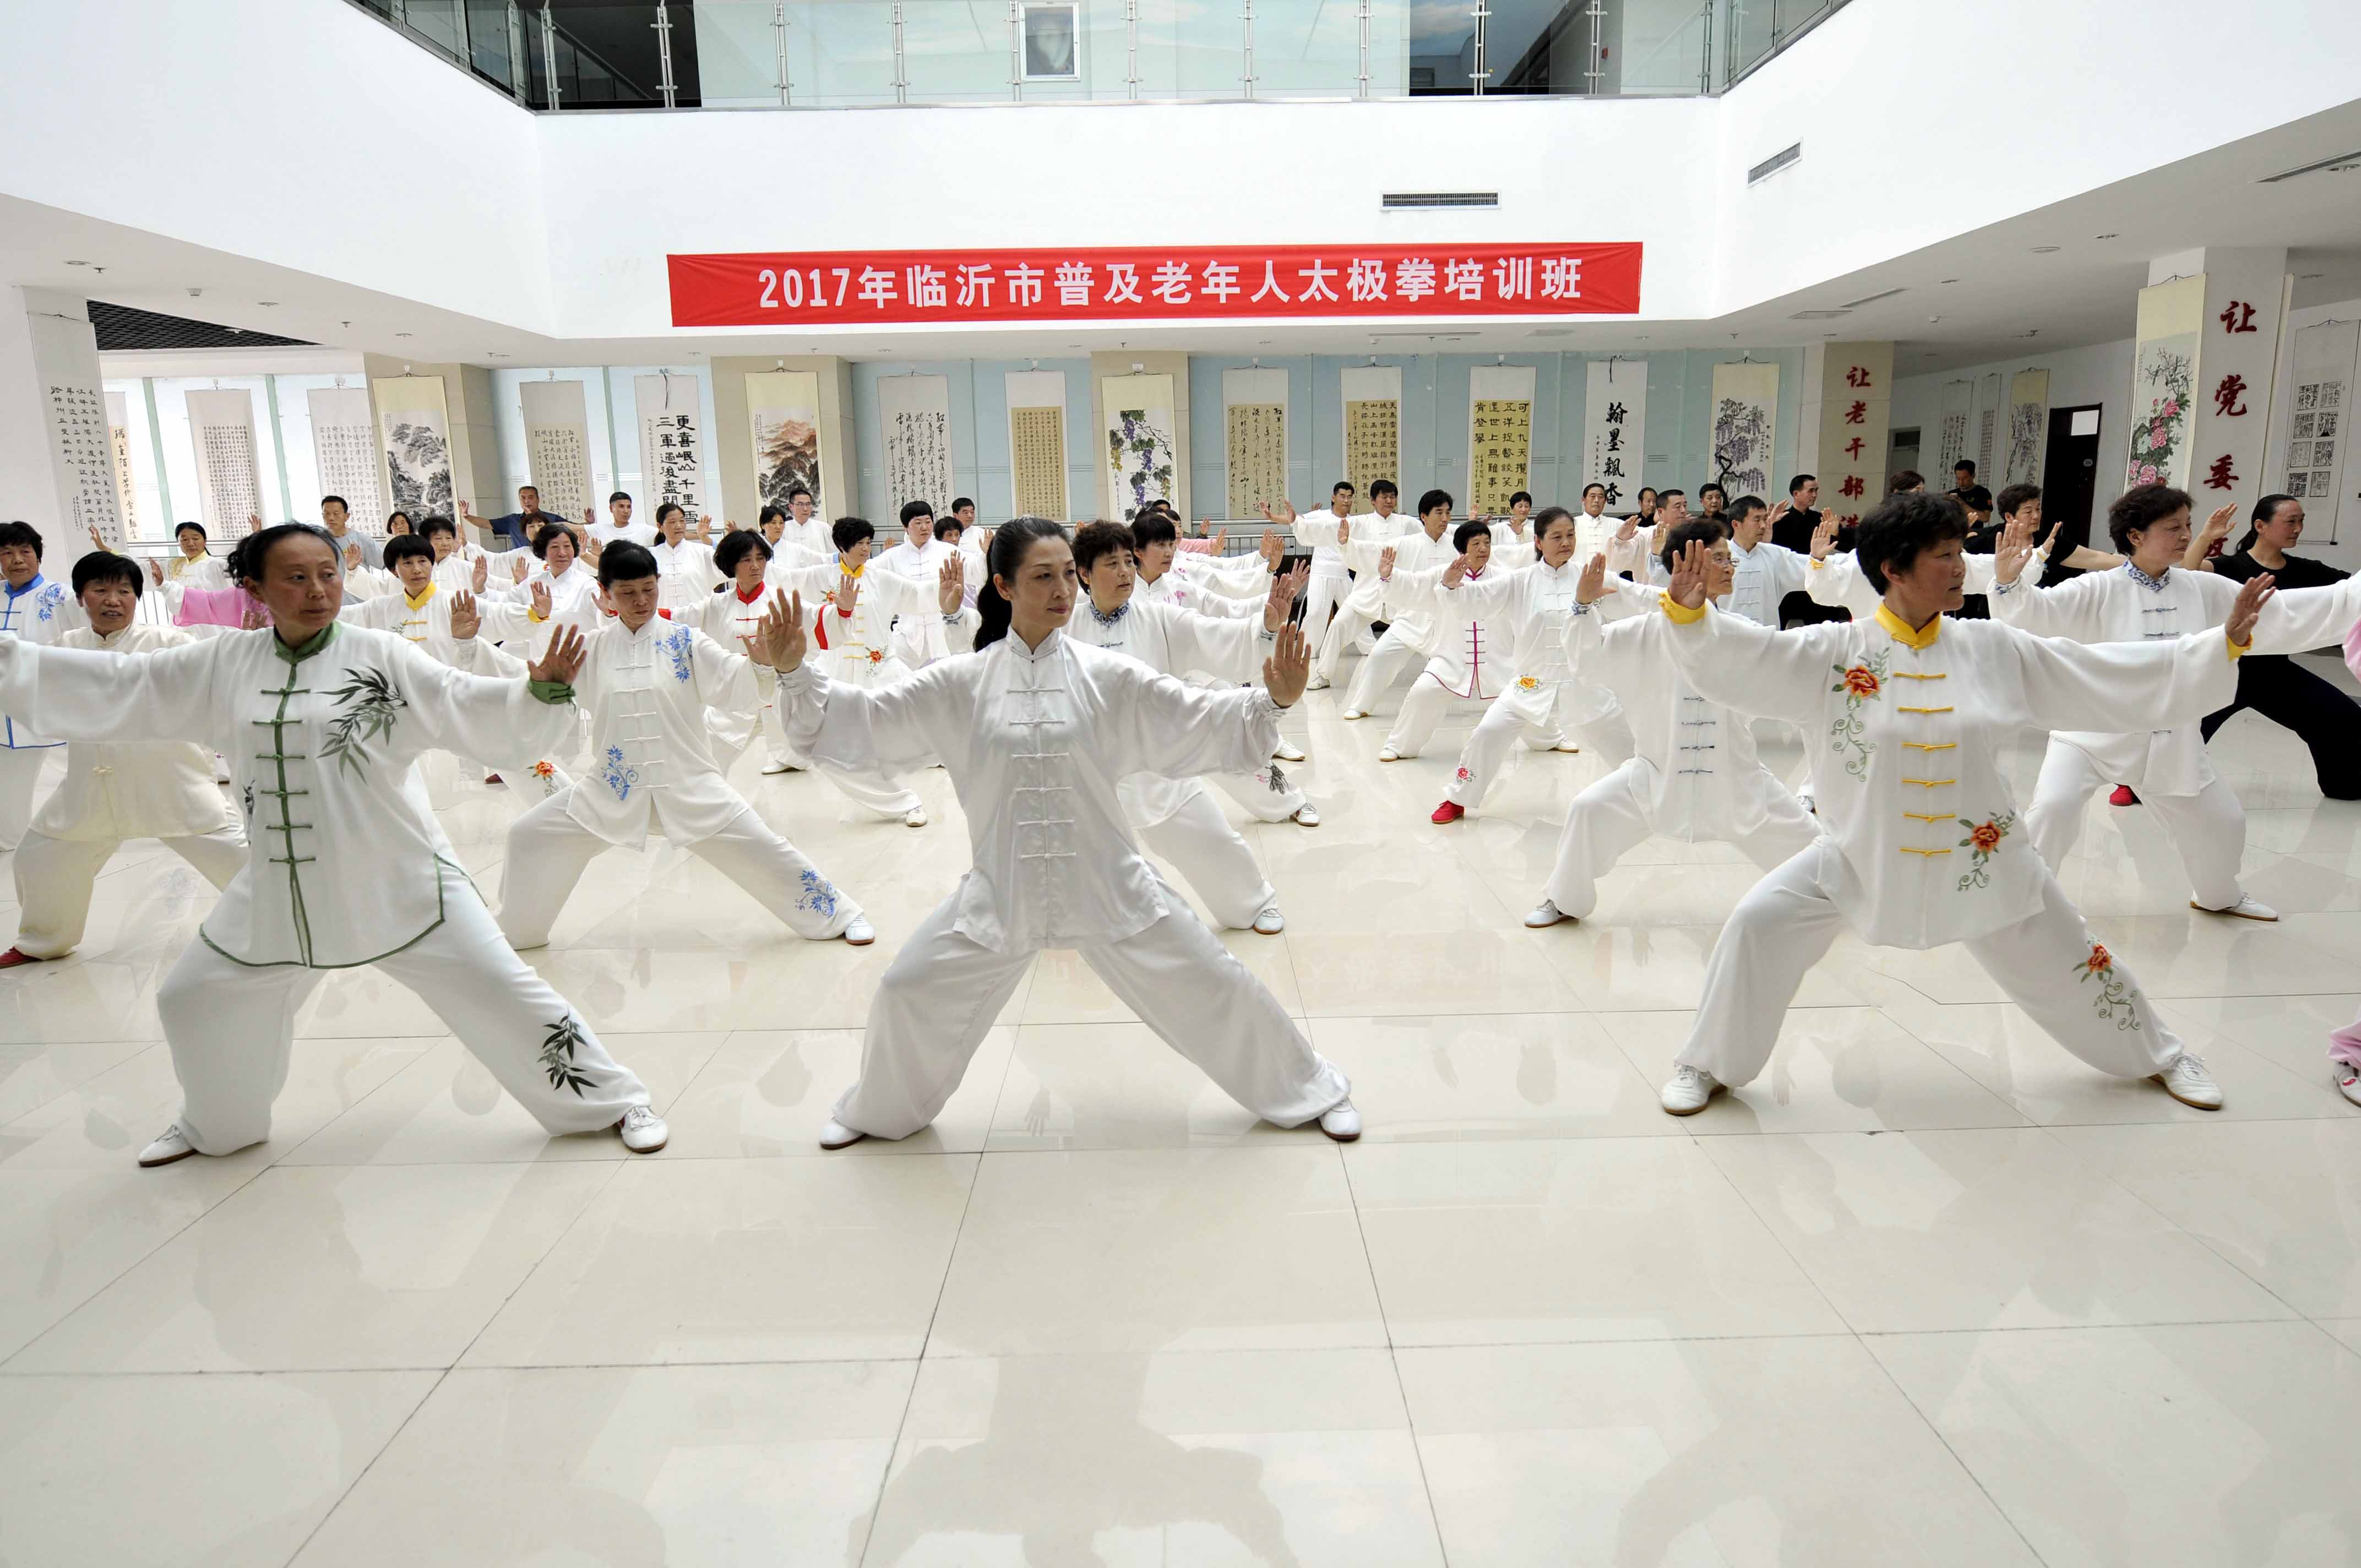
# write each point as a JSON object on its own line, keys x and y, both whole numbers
{"x": 2273, "y": 684}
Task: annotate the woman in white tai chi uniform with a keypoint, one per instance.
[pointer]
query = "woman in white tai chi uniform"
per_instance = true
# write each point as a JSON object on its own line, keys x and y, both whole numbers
{"x": 153, "y": 789}
{"x": 1411, "y": 634}
{"x": 732, "y": 616}
{"x": 647, "y": 682}
{"x": 1037, "y": 732}
{"x": 2148, "y": 600}
{"x": 1696, "y": 776}
{"x": 32, "y": 609}
{"x": 1922, "y": 843}
{"x": 347, "y": 866}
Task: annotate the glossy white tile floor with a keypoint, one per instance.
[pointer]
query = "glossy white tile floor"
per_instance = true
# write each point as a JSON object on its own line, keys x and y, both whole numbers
{"x": 1927, "y": 1292}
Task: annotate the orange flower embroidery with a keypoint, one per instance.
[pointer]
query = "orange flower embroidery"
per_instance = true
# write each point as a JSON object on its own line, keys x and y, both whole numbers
{"x": 543, "y": 770}
{"x": 1527, "y": 683}
{"x": 2100, "y": 959}
{"x": 1859, "y": 682}
{"x": 2113, "y": 1000}
{"x": 877, "y": 655}
{"x": 1985, "y": 836}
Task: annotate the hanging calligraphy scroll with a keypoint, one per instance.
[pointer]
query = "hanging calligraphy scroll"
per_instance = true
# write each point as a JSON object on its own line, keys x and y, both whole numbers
{"x": 916, "y": 412}
{"x": 1372, "y": 395}
{"x": 229, "y": 484}
{"x": 1499, "y": 436}
{"x": 414, "y": 433}
{"x": 1745, "y": 419}
{"x": 782, "y": 422}
{"x": 2028, "y": 429}
{"x": 2323, "y": 357}
{"x": 1255, "y": 451}
{"x": 1614, "y": 428}
{"x": 671, "y": 449}
{"x": 558, "y": 446}
{"x": 344, "y": 450}
{"x": 1959, "y": 414}
{"x": 118, "y": 443}
{"x": 2164, "y": 382}
{"x": 1143, "y": 461}
{"x": 1036, "y": 443}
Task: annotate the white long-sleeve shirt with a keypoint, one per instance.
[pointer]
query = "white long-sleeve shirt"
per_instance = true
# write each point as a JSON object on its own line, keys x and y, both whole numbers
{"x": 1761, "y": 577}
{"x": 1472, "y": 638}
{"x": 1245, "y": 577}
{"x": 1907, "y": 778}
{"x": 139, "y": 789}
{"x": 2125, "y": 605}
{"x": 1171, "y": 641}
{"x": 860, "y": 646}
{"x": 1035, "y": 740}
{"x": 347, "y": 858}
{"x": 685, "y": 571}
{"x": 919, "y": 630}
{"x": 1535, "y": 601}
{"x": 1837, "y": 580}
{"x": 652, "y": 762}
{"x": 39, "y": 612}
{"x": 1326, "y": 532}
{"x": 1187, "y": 593}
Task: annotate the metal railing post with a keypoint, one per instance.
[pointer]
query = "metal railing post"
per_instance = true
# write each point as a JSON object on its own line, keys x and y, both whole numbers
{"x": 662, "y": 25}
{"x": 779, "y": 31}
{"x": 1247, "y": 78}
{"x": 1131, "y": 50}
{"x": 1705, "y": 61}
{"x": 519, "y": 67}
{"x": 1483, "y": 15}
{"x": 1015, "y": 52}
{"x": 1595, "y": 71}
{"x": 549, "y": 51}
{"x": 1362, "y": 91}
{"x": 901, "y": 77}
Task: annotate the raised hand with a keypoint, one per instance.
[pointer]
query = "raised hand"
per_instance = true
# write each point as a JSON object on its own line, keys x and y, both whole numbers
{"x": 1517, "y": 526}
{"x": 467, "y": 512}
{"x": 703, "y": 529}
{"x": 590, "y": 518}
{"x": 766, "y": 646}
{"x": 590, "y": 552}
{"x": 1289, "y": 666}
{"x": 562, "y": 660}
{"x": 1386, "y": 565}
{"x": 352, "y": 557}
{"x": 1455, "y": 572}
{"x": 2050, "y": 541}
{"x": 251, "y": 619}
{"x": 95, "y": 542}
{"x": 1593, "y": 584}
{"x": 1689, "y": 572}
{"x": 540, "y": 601}
{"x": 1213, "y": 545}
{"x": 519, "y": 565}
{"x": 848, "y": 594}
{"x": 1824, "y": 534}
{"x": 156, "y": 571}
{"x": 1271, "y": 547}
{"x": 1276, "y": 606}
{"x": 1282, "y": 515}
{"x": 464, "y": 621}
{"x": 1630, "y": 531}
{"x": 2217, "y": 527}
{"x": 950, "y": 583}
{"x": 254, "y": 522}
{"x": 483, "y": 571}
{"x": 787, "y": 649}
{"x": 2253, "y": 594}
{"x": 2011, "y": 552}
{"x": 1782, "y": 510}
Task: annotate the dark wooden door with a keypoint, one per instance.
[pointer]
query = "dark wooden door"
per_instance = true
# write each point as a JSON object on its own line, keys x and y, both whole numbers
{"x": 2069, "y": 476}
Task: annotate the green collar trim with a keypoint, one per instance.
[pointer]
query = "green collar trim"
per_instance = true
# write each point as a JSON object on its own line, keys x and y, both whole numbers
{"x": 296, "y": 656}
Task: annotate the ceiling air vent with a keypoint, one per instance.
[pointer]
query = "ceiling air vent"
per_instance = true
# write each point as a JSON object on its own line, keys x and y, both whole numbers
{"x": 1773, "y": 164}
{"x": 2343, "y": 162}
{"x": 1872, "y": 299}
{"x": 1405, "y": 201}
{"x": 1818, "y": 316}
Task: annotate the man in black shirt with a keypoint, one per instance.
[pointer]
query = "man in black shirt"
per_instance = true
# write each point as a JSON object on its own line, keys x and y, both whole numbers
{"x": 1794, "y": 530}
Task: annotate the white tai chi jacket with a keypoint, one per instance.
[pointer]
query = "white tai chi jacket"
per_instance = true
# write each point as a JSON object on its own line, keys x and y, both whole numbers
{"x": 1171, "y": 641}
{"x": 1761, "y": 577}
{"x": 684, "y": 572}
{"x": 2127, "y": 605}
{"x": 1243, "y": 577}
{"x": 1471, "y": 643}
{"x": 39, "y": 612}
{"x": 1838, "y": 580}
{"x": 652, "y": 760}
{"x": 1187, "y": 593}
{"x": 507, "y": 608}
{"x": 859, "y": 647}
{"x": 140, "y": 789}
{"x": 1036, "y": 741}
{"x": 1405, "y": 602}
{"x": 918, "y": 632}
{"x": 1536, "y": 601}
{"x": 1703, "y": 778}
{"x": 346, "y": 862}
{"x": 1912, "y": 726}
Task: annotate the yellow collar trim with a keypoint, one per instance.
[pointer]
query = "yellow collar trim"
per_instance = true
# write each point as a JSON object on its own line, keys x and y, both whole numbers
{"x": 852, "y": 571}
{"x": 420, "y": 601}
{"x": 1902, "y": 632}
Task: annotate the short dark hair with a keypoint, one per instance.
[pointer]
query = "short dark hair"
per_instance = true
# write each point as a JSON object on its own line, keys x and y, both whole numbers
{"x": 1967, "y": 464}
{"x": 1904, "y": 480}
{"x": 1715, "y": 489}
{"x": 1799, "y": 481}
{"x": 803, "y": 490}
{"x": 1524, "y": 496}
{"x": 2141, "y": 508}
{"x": 1382, "y": 487}
{"x": 1900, "y": 528}
{"x": 768, "y": 512}
{"x": 535, "y": 490}
{"x": 107, "y": 566}
{"x": 1745, "y": 506}
{"x": 664, "y": 507}
{"x": 388, "y": 520}
{"x": 434, "y": 525}
{"x": 1545, "y": 519}
{"x": 1432, "y": 499}
{"x": 913, "y": 510}
{"x": 617, "y": 495}
{"x": 1473, "y": 529}
{"x": 847, "y": 532}
{"x": 1343, "y": 485}
{"x": 339, "y": 501}
{"x": 735, "y": 547}
{"x": 1705, "y": 533}
{"x": 184, "y": 528}
{"x": 624, "y": 562}
{"x": 948, "y": 526}
{"x": 1594, "y": 485}
{"x": 21, "y": 534}
{"x": 959, "y": 502}
{"x": 2013, "y": 499}
{"x": 1975, "y": 498}
{"x": 1671, "y": 490}
{"x": 1093, "y": 539}
{"x": 251, "y": 555}
{"x": 401, "y": 546}
{"x": 1152, "y": 527}
{"x": 547, "y": 533}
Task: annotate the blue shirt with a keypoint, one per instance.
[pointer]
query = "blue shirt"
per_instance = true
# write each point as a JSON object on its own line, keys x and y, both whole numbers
{"x": 518, "y": 528}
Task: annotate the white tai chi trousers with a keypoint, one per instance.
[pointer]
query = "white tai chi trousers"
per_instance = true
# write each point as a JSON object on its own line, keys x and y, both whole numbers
{"x": 2209, "y": 828}
{"x": 54, "y": 877}
{"x": 1423, "y": 710}
{"x": 1321, "y": 595}
{"x": 941, "y": 992}
{"x": 1211, "y": 857}
{"x": 734, "y": 731}
{"x": 1378, "y": 672}
{"x": 232, "y": 1026}
{"x": 1611, "y": 818}
{"x": 1483, "y": 762}
{"x": 1342, "y": 633}
{"x": 20, "y": 770}
{"x": 1269, "y": 794}
{"x": 548, "y": 851}
{"x": 1785, "y": 926}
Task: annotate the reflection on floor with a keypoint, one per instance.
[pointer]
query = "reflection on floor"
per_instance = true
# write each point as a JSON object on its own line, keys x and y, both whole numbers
{"x": 1928, "y": 1292}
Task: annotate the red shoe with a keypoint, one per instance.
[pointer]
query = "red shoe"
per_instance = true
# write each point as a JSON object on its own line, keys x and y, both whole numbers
{"x": 1449, "y": 811}
{"x": 491, "y": 778}
{"x": 12, "y": 957}
{"x": 2123, "y": 797}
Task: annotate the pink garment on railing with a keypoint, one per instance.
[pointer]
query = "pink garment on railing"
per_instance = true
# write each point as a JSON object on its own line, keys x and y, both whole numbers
{"x": 219, "y": 606}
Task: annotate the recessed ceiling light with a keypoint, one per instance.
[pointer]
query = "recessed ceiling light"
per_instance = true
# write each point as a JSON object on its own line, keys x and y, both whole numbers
{"x": 77, "y": 263}
{"x": 2046, "y": 249}
{"x": 2103, "y": 236}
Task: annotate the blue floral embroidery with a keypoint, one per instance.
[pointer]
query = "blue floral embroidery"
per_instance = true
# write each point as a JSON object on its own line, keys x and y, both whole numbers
{"x": 818, "y": 894}
{"x": 619, "y": 778}
{"x": 46, "y": 606}
{"x": 675, "y": 646}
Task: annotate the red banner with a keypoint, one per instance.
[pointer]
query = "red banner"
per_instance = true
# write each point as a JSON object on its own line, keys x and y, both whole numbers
{"x": 908, "y": 288}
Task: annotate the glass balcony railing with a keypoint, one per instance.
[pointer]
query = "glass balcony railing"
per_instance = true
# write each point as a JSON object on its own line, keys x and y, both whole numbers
{"x": 558, "y": 55}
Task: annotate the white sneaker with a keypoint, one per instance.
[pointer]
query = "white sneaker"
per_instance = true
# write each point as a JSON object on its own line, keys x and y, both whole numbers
{"x": 836, "y": 1135}
{"x": 1270, "y": 922}
{"x": 915, "y": 817}
{"x": 169, "y": 1147}
{"x": 2185, "y": 1078}
{"x": 1341, "y": 1122}
{"x": 1316, "y": 683}
{"x": 2249, "y": 907}
{"x": 1545, "y": 913}
{"x": 2348, "y": 1081}
{"x": 1287, "y": 753}
{"x": 775, "y": 766}
{"x": 643, "y": 1132}
{"x": 1686, "y": 1093}
{"x": 860, "y": 933}
{"x": 1355, "y": 713}
{"x": 1306, "y": 815}
{"x": 1388, "y": 754}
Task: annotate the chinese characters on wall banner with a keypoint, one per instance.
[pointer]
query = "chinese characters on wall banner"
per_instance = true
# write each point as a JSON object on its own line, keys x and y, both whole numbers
{"x": 1372, "y": 396}
{"x": 671, "y": 460}
{"x": 229, "y": 484}
{"x": 1254, "y": 452}
{"x": 1499, "y": 436}
{"x": 558, "y": 446}
{"x": 1856, "y": 403}
{"x": 2320, "y": 400}
{"x": 917, "y": 413}
{"x": 1614, "y": 429}
{"x": 119, "y": 431}
{"x": 1036, "y": 443}
{"x": 1245, "y": 282}
{"x": 344, "y": 447}
{"x": 84, "y": 450}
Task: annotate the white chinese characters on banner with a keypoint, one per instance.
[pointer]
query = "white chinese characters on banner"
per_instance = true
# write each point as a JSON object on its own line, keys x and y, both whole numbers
{"x": 917, "y": 413}
{"x": 671, "y": 462}
{"x": 1614, "y": 428}
{"x": 343, "y": 446}
{"x": 229, "y": 485}
{"x": 118, "y": 435}
{"x": 557, "y": 445}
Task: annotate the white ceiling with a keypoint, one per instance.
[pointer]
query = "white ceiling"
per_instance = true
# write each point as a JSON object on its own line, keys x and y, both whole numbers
{"x": 1974, "y": 297}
